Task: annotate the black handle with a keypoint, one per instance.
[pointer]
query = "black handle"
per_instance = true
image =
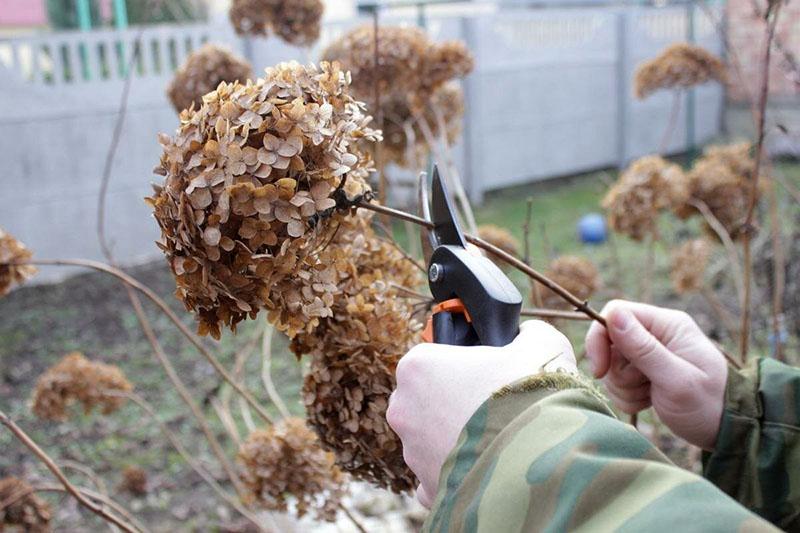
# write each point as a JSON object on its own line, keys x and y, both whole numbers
{"x": 453, "y": 329}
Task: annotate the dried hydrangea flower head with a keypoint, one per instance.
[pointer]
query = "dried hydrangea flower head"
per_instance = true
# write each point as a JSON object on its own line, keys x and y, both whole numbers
{"x": 134, "y": 480}
{"x": 404, "y": 142}
{"x": 250, "y": 193}
{"x": 722, "y": 179}
{"x": 502, "y": 238}
{"x": 285, "y": 462}
{"x": 410, "y": 65}
{"x": 202, "y": 72}
{"x": 678, "y": 66}
{"x": 11, "y": 251}
{"x": 689, "y": 262}
{"x": 76, "y": 379}
{"x": 27, "y": 511}
{"x": 297, "y": 22}
{"x": 576, "y": 274}
{"x": 353, "y": 358}
{"x": 648, "y": 186}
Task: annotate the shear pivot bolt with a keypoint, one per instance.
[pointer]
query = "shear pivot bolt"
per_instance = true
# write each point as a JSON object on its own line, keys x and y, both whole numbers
{"x": 435, "y": 273}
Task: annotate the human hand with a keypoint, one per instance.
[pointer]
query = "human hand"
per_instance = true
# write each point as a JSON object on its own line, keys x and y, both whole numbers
{"x": 649, "y": 355}
{"x": 439, "y": 387}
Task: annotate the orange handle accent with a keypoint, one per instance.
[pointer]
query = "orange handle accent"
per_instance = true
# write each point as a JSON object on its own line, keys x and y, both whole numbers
{"x": 454, "y": 305}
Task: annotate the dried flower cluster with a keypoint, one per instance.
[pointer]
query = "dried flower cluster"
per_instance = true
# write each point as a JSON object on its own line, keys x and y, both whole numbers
{"x": 27, "y": 511}
{"x": 680, "y": 65}
{"x": 404, "y": 140}
{"x": 722, "y": 179}
{"x": 285, "y": 461}
{"x": 689, "y": 262}
{"x": 353, "y": 358}
{"x": 77, "y": 379}
{"x": 202, "y": 72}
{"x": 295, "y": 21}
{"x": 134, "y": 480}
{"x": 11, "y": 250}
{"x": 648, "y": 186}
{"x": 410, "y": 67}
{"x": 576, "y": 274}
{"x": 249, "y": 200}
{"x": 501, "y": 238}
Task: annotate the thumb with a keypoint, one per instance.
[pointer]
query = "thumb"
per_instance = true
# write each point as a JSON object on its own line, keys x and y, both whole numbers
{"x": 636, "y": 344}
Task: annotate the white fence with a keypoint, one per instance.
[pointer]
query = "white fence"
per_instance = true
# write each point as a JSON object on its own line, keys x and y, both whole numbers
{"x": 550, "y": 96}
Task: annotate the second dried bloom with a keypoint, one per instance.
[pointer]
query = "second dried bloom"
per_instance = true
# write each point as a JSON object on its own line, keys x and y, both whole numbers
{"x": 285, "y": 463}
{"x": 297, "y": 22}
{"x": 689, "y": 263}
{"x": 76, "y": 379}
{"x": 680, "y": 65}
{"x": 202, "y": 72}
{"x": 502, "y": 238}
{"x": 134, "y": 480}
{"x": 25, "y": 510}
{"x": 650, "y": 185}
{"x": 576, "y": 274}
{"x": 13, "y": 251}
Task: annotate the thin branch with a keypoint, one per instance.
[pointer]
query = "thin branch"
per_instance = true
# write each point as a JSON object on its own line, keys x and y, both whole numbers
{"x": 94, "y": 507}
{"x": 204, "y": 474}
{"x": 90, "y": 474}
{"x": 771, "y": 16}
{"x": 144, "y": 289}
{"x": 570, "y": 298}
{"x": 266, "y": 372}
{"x": 553, "y": 313}
{"x": 359, "y": 526}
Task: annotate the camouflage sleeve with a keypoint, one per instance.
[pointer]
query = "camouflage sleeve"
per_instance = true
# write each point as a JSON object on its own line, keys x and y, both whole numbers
{"x": 757, "y": 455}
{"x": 547, "y": 454}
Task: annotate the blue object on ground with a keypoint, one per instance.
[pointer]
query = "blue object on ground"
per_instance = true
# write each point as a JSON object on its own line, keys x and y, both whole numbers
{"x": 592, "y": 229}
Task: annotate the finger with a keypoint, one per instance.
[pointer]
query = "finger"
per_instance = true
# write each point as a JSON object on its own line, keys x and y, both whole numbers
{"x": 424, "y": 497}
{"x": 643, "y": 350}
{"x": 598, "y": 349}
{"x": 663, "y": 323}
{"x": 636, "y": 394}
{"x": 622, "y": 373}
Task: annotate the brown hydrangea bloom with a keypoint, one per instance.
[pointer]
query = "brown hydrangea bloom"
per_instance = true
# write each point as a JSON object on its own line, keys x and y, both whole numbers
{"x": 29, "y": 512}
{"x": 651, "y": 184}
{"x": 202, "y": 72}
{"x": 404, "y": 142}
{"x": 11, "y": 250}
{"x": 285, "y": 461}
{"x": 410, "y": 65}
{"x": 297, "y": 22}
{"x": 249, "y": 198}
{"x": 722, "y": 179}
{"x": 679, "y": 65}
{"x": 689, "y": 262}
{"x": 134, "y": 480}
{"x": 502, "y": 238}
{"x": 76, "y": 379}
{"x": 576, "y": 274}
{"x": 353, "y": 358}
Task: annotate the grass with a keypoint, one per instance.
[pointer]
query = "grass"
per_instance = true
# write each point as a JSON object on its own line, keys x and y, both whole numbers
{"x": 91, "y": 313}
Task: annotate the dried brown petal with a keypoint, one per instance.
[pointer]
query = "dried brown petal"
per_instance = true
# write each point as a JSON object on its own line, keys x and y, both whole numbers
{"x": 11, "y": 251}
{"x": 202, "y": 72}
{"x": 75, "y": 379}
{"x": 679, "y": 65}
{"x": 285, "y": 462}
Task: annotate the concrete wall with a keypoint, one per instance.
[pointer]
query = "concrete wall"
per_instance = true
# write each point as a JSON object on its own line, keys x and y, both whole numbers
{"x": 550, "y": 96}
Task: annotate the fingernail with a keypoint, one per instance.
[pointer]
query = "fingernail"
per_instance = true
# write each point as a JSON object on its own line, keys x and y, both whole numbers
{"x": 621, "y": 320}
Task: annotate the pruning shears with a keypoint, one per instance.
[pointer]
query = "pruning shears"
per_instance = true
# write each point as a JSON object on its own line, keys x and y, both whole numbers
{"x": 476, "y": 304}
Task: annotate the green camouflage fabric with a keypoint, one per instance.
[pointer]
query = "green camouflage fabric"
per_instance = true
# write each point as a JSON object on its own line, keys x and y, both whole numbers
{"x": 546, "y": 454}
{"x": 757, "y": 456}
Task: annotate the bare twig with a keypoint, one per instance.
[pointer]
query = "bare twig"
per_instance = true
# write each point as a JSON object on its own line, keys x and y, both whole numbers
{"x": 778, "y": 272}
{"x": 771, "y": 16}
{"x": 90, "y": 474}
{"x": 570, "y": 298}
{"x": 553, "y": 313}
{"x": 266, "y": 372}
{"x": 99, "y": 510}
{"x": 144, "y": 289}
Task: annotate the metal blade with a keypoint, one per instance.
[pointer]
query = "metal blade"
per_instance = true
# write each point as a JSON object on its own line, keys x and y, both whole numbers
{"x": 424, "y": 211}
{"x": 446, "y": 227}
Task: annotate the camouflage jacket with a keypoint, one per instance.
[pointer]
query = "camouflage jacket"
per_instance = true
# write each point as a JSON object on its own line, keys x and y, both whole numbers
{"x": 547, "y": 454}
{"x": 757, "y": 456}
